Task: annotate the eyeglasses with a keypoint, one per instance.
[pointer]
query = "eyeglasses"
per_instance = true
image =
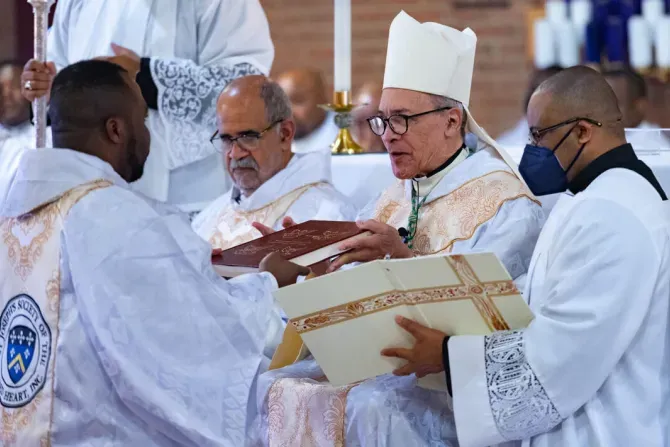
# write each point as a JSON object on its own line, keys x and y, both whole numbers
{"x": 248, "y": 140}
{"x": 398, "y": 122}
{"x": 537, "y": 134}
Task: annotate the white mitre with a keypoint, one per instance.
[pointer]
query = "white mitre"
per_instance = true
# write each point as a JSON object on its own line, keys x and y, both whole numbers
{"x": 436, "y": 59}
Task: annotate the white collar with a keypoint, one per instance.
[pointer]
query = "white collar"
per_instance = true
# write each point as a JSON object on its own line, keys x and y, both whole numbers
{"x": 426, "y": 184}
{"x": 303, "y": 169}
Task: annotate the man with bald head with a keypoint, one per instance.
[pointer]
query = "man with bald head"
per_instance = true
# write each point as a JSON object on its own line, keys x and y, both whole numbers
{"x": 367, "y": 101}
{"x": 255, "y": 134}
{"x": 591, "y": 368}
{"x": 315, "y": 130}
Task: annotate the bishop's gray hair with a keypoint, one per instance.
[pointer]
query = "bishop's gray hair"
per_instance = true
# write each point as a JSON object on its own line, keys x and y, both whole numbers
{"x": 442, "y": 101}
{"x": 277, "y": 104}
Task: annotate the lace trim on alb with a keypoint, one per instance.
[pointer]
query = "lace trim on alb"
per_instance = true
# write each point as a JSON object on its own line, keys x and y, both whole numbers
{"x": 521, "y": 407}
{"x": 187, "y": 95}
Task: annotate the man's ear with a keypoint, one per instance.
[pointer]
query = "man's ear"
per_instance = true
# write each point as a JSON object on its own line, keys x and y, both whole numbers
{"x": 454, "y": 120}
{"x": 115, "y": 130}
{"x": 585, "y": 132}
{"x": 287, "y": 132}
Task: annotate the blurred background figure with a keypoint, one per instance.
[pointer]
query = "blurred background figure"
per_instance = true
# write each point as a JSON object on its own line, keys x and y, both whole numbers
{"x": 367, "y": 101}
{"x": 518, "y": 135}
{"x": 632, "y": 94}
{"x": 315, "y": 129}
{"x": 14, "y": 109}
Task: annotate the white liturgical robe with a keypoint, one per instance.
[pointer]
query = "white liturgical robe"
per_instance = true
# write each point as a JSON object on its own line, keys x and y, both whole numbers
{"x": 196, "y": 48}
{"x": 592, "y": 367}
{"x": 302, "y": 191}
{"x": 147, "y": 345}
{"x": 478, "y": 195}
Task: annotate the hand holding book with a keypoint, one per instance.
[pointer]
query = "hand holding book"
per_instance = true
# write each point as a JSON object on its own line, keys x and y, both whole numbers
{"x": 384, "y": 240}
{"x": 425, "y": 357}
{"x": 285, "y": 272}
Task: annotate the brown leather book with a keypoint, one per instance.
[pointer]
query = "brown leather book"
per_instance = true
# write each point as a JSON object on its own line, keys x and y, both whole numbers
{"x": 306, "y": 244}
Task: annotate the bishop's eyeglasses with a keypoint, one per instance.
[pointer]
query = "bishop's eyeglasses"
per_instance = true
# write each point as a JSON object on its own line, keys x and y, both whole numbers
{"x": 398, "y": 122}
{"x": 249, "y": 140}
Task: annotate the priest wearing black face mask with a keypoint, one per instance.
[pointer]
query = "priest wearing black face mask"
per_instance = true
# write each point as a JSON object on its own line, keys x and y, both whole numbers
{"x": 590, "y": 368}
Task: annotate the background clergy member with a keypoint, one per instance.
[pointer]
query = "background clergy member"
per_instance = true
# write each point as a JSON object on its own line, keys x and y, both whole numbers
{"x": 554, "y": 383}
{"x": 631, "y": 92}
{"x": 119, "y": 330}
{"x": 446, "y": 200}
{"x": 517, "y": 136}
{"x": 185, "y": 52}
{"x": 14, "y": 108}
{"x": 255, "y": 135}
{"x": 315, "y": 129}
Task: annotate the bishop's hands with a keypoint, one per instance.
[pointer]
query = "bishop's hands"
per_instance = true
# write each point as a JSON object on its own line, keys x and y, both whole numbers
{"x": 36, "y": 79}
{"x": 285, "y": 272}
{"x": 384, "y": 241}
{"x": 425, "y": 357}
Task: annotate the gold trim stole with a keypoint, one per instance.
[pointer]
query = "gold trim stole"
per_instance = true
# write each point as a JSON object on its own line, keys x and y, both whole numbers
{"x": 310, "y": 411}
{"x": 30, "y": 295}
{"x": 454, "y": 216}
{"x": 233, "y": 227}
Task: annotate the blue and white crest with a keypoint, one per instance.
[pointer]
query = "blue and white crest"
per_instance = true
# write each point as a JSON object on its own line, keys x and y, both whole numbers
{"x": 25, "y": 349}
{"x": 20, "y": 351}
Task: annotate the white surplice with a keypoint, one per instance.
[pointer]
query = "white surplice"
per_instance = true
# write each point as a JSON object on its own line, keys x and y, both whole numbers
{"x": 320, "y": 139}
{"x": 196, "y": 48}
{"x": 592, "y": 369}
{"x": 319, "y": 202}
{"x": 393, "y": 411}
{"x": 153, "y": 348}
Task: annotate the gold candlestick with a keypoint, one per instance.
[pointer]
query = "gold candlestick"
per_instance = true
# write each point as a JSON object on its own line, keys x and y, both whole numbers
{"x": 342, "y": 106}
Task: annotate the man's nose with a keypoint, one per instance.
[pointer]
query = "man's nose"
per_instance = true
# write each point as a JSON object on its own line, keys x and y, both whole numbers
{"x": 389, "y": 136}
{"x": 236, "y": 152}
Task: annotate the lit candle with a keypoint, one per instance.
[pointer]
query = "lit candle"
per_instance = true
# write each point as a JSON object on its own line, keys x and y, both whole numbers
{"x": 342, "y": 45}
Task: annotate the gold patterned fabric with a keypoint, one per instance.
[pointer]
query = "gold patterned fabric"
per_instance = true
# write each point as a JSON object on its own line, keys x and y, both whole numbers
{"x": 30, "y": 295}
{"x": 454, "y": 216}
{"x": 233, "y": 226}
{"x": 297, "y": 407}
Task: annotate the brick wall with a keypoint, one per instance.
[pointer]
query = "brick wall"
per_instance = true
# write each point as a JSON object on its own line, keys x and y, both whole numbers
{"x": 7, "y": 29}
{"x": 302, "y": 31}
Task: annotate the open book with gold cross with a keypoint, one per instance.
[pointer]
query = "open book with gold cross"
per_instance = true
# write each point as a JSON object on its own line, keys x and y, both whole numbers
{"x": 346, "y": 318}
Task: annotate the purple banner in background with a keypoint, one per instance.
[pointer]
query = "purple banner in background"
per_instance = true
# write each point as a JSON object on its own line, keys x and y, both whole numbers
{"x": 594, "y": 42}
{"x": 616, "y": 40}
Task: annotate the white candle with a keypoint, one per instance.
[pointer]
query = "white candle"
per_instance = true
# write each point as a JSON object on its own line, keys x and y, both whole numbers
{"x": 663, "y": 42}
{"x": 653, "y": 10}
{"x": 342, "y": 45}
{"x": 568, "y": 44}
{"x": 544, "y": 47}
{"x": 580, "y": 14}
{"x": 640, "y": 43}
{"x": 556, "y": 11}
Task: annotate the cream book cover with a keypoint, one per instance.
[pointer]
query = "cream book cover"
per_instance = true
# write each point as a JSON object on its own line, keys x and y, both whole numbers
{"x": 346, "y": 318}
